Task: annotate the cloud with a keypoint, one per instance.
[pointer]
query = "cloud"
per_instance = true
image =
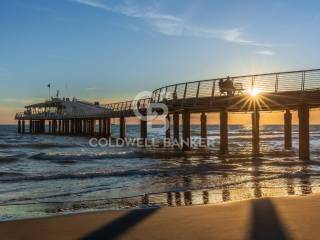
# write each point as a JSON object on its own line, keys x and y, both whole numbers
{"x": 128, "y": 10}
{"x": 265, "y": 52}
{"x": 91, "y": 88}
{"x": 172, "y": 25}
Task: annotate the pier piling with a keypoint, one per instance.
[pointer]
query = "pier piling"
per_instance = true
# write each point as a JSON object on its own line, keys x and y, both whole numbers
{"x": 143, "y": 129}
{"x": 304, "y": 138}
{"x": 176, "y": 127}
{"x": 288, "y": 129}
{"x": 223, "y": 131}
{"x": 108, "y": 127}
{"x": 122, "y": 127}
{"x": 186, "y": 130}
{"x": 203, "y": 130}
{"x": 100, "y": 128}
{"x": 255, "y": 132}
{"x": 30, "y": 126}
{"x": 104, "y": 127}
{"x": 50, "y": 127}
{"x": 19, "y": 126}
{"x": 168, "y": 126}
{"x": 23, "y": 126}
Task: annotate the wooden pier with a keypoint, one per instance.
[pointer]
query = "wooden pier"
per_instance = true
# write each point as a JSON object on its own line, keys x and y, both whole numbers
{"x": 281, "y": 91}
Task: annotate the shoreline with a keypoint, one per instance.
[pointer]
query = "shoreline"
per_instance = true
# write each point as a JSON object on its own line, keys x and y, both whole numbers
{"x": 273, "y": 217}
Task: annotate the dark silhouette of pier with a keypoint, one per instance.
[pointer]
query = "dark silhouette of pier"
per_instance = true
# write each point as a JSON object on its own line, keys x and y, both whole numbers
{"x": 281, "y": 91}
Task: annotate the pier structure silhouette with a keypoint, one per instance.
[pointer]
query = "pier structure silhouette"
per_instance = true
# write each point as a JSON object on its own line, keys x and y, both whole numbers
{"x": 280, "y": 91}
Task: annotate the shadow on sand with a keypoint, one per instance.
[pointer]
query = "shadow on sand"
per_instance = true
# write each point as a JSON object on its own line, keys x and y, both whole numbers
{"x": 119, "y": 226}
{"x": 266, "y": 224}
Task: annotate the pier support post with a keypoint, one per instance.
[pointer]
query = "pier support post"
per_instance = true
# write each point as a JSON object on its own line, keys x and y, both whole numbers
{"x": 143, "y": 129}
{"x": 68, "y": 126}
{"x": 30, "y": 126}
{"x": 34, "y": 126}
{"x": 176, "y": 127}
{"x": 19, "y": 126}
{"x": 186, "y": 130}
{"x": 304, "y": 138}
{"x": 122, "y": 127}
{"x": 104, "y": 127}
{"x": 76, "y": 126}
{"x": 93, "y": 127}
{"x": 100, "y": 128}
{"x": 50, "y": 127}
{"x": 59, "y": 126}
{"x": 255, "y": 132}
{"x": 81, "y": 126}
{"x": 23, "y": 126}
{"x": 88, "y": 123}
{"x": 73, "y": 126}
{"x": 168, "y": 126}
{"x": 54, "y": 126}
{"x": 42, "y": 126}
{"x": 63, "y": 126}
{"x": 108, "y": 127}
{"x": 203, "y": 129}
{"x": 224, "y": 132}
{"x": 84, "y": 129}
{"x": 38, "y": 126}
{"x": 288, "y": 129}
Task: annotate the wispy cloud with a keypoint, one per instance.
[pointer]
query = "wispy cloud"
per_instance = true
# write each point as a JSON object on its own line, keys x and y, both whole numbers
{"x": 265, "y": 52}
{"x": 172, "y": 25}
{"x": 91, "y": 88}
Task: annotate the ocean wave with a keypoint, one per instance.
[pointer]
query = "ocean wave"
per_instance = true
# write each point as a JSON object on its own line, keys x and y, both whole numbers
{"x": 38, "y": 145}
{"x": 4, "y": 176}
{"x": 11, "y": 158}
{"x": 86, "y": 156}
{"x": 170, "y": 172}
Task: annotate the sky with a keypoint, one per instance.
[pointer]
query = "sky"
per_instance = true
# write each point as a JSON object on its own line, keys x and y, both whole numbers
{"x": 110, "y": 50}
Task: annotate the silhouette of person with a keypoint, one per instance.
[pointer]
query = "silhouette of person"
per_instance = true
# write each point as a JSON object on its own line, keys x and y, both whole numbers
{"x": 228, "y": 85}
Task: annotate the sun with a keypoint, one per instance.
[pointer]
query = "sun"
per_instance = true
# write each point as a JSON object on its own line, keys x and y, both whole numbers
{"x": 254, "y": 92}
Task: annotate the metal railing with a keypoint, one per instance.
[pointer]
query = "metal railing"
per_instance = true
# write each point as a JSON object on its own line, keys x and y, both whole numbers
{"x": 128, "y": 105}
{"x": 266, "y": 83}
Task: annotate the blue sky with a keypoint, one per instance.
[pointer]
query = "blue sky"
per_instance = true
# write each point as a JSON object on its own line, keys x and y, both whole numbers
{"x": 112, "y": 49}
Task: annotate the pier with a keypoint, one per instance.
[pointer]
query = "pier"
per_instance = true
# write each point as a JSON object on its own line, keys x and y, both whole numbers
{"x": 282, "y": 91}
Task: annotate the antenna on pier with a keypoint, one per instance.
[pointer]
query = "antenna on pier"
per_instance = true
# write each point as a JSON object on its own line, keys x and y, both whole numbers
{"x": 49, "y": 87}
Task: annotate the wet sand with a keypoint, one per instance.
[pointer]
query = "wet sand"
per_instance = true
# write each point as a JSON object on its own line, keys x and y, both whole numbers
{"x": 295, "y": 217}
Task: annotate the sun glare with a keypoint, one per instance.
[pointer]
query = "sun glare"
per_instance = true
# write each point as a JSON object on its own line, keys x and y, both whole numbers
{"x": 254, "y": 92}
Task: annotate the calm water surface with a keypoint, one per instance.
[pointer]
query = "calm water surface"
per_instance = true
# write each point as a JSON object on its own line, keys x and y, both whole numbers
{"x": 43, "y": 175}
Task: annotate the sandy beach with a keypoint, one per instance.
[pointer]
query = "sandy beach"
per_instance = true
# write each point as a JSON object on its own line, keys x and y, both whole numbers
{"x": 293, "y": 217}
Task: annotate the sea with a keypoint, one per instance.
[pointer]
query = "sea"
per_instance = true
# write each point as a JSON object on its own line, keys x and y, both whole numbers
{"x": 47, "y": 175}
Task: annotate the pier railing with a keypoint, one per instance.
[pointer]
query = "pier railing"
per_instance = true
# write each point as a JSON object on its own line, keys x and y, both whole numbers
{"x": 128, "y": 105}
{"x": 265, "y": 83}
